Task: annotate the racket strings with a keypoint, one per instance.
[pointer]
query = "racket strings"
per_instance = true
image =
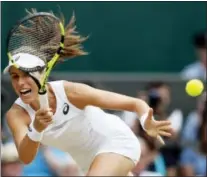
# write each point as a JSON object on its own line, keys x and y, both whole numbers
{"x": 39, "y": 36}
{"x": 43, "y": 35}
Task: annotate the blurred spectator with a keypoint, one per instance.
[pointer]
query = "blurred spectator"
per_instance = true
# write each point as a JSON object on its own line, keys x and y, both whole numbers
{"x": 160, "y": 160}
{"x": 203, "y": 130}
{"x": 10, "y": 165}
{"x": 51, "y": 162}
{"x": 48, "y": 161}
{"x": 193, "y": 159}
{"x": 192, "y": 123}
{"x": 159, "y": 99}
{"x": 148, "y": 156}
{"x": 151, "y": 162}
{"x": 197, "y": 70}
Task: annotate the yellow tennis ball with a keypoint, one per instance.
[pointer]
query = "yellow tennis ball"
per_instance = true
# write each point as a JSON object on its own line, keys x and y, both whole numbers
{"x": 194, "y": 87}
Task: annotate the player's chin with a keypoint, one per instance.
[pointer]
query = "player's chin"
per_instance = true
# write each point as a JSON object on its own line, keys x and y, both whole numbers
{"x": 27, "y": 99}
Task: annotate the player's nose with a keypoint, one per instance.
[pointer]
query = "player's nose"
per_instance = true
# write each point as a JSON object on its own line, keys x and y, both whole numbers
{"x": 21, "y": 82}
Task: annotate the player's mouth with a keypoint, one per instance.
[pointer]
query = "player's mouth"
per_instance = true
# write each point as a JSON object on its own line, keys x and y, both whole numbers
{"x": 25, "y": 92}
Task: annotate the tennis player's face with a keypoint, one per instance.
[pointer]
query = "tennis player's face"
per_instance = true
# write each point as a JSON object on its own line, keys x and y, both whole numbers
{"x": 24, "y": 85}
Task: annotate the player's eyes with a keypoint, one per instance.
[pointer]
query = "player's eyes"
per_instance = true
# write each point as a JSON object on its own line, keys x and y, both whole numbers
{"x": 14, "y": 76}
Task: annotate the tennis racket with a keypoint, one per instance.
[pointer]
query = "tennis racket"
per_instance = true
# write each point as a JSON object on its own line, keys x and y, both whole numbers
{"x": 39, "y": 34}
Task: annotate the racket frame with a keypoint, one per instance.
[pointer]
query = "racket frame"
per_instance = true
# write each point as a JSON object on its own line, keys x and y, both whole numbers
{"x": 48, "y": 66}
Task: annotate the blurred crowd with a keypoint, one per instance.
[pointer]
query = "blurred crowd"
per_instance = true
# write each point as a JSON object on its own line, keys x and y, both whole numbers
{"x": 184, "y": 153}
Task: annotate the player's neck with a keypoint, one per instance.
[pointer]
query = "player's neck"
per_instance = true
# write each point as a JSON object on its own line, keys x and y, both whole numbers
{"x": 35, "y": 105}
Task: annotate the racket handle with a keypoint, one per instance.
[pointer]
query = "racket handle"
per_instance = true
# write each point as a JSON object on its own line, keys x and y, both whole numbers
{"x": 44, "y": 101}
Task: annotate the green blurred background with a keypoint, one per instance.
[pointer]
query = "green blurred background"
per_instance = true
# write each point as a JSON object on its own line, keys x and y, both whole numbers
{"x": 124, "y": 36}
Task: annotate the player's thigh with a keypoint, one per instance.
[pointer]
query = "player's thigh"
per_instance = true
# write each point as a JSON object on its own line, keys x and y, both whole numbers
{"x": 110, "y": 164}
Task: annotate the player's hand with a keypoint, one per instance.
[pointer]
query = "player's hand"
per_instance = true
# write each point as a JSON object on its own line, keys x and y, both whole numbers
{"x": 43, "y": 118}
{"x": 156, "y": 128}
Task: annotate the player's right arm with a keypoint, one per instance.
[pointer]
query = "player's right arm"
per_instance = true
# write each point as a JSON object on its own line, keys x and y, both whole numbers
{"x": 18, "y": 121}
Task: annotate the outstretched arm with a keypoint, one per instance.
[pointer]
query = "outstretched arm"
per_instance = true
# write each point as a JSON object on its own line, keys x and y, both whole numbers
{"x": 82, "y": 95}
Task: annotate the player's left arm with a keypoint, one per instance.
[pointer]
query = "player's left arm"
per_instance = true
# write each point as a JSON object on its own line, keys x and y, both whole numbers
{"x": 82, "y": 95}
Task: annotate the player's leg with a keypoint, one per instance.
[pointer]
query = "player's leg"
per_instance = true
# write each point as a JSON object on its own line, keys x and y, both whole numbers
{"x": 111, "y": 164}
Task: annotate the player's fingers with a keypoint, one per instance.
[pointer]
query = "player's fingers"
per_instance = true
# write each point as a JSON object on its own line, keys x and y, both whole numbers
{"x": 163, "y": 123}
{"x": 150, "y": 114}
{"x": 47, "y": 115}
{"x": 45, "y": 121}
{"x": 163, "y": 133}
{"x": 47, "y": 118}
{"x": 48, "y": 121}
{"x": 166, "y": 128}
{"x": 43, "y": 111}
{"x": 44, "y": 117}
{"x": 160, "y": 140}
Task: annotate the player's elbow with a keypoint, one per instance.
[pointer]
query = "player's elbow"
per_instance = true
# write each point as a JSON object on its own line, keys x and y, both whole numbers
{"x": 26, "y": 154}
{"x": 25, "y": 158}
{"x": 25, "y": 161}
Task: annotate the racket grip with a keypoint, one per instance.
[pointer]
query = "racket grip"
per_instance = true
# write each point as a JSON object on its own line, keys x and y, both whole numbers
{"x": 44, "y": 101}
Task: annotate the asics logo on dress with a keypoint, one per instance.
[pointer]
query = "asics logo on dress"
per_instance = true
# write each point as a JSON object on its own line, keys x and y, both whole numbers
{"x": 66, "y": 108}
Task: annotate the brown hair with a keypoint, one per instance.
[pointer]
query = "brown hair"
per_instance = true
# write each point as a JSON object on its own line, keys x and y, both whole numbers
{"x": 46, "y": 37}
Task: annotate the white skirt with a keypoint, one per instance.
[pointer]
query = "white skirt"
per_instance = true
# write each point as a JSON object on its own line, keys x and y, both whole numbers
{"x": 94, "y": 132}
{"x": 117, "y": 137}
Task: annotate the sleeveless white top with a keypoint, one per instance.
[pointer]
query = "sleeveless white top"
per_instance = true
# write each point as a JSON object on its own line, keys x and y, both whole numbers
{"x": 84, "y": 133}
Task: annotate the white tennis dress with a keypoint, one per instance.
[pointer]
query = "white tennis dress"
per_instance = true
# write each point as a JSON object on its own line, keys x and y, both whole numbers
{"x": 86, "y": 133}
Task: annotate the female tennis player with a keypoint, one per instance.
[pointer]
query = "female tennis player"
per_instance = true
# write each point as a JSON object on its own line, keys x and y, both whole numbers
{"x": 101, "y": 143}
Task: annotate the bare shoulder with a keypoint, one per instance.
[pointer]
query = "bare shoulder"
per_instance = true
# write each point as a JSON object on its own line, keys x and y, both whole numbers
{"x": 82, "y": 95}
{"x": 17, "y": 114}
{"x": 77, "y": 93}
{"x": 76, "y": 88}
{"x": 69, "y": 88}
